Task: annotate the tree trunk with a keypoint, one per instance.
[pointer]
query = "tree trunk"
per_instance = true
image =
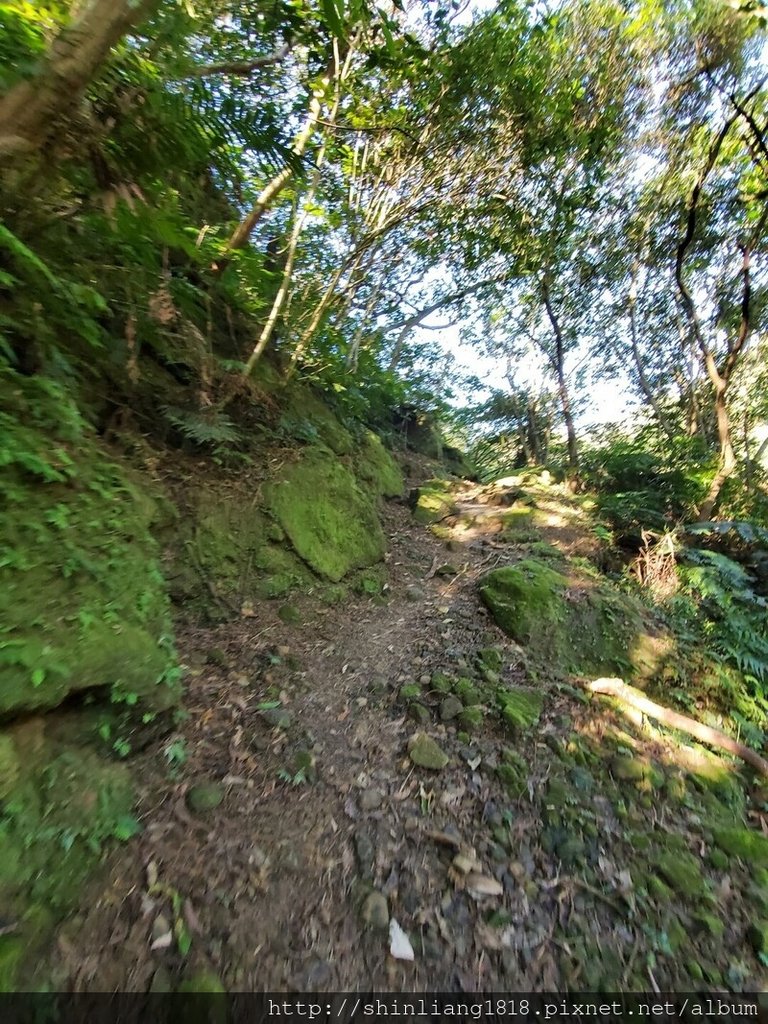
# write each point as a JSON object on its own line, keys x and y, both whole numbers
{"x": 727, "y": 454}
{"x": 242, "y": 233}
{"x": 645, "y": 384}
{"x": 33, "y": 111}
{"x": 562, "y": 384}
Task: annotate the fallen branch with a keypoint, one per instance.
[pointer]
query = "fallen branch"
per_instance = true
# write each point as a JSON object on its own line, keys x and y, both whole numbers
{"x": 713, "y": 737}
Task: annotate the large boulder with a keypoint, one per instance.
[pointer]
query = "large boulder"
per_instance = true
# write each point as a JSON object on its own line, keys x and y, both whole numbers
{"x": 570, "y": 621}
{"x": 306, "y": 417}
{"x": 376, "y": 468}
{"x": 331, "y": 524}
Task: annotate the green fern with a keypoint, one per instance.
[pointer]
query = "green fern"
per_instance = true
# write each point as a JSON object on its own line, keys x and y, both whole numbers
{"x": 203, "y": 427}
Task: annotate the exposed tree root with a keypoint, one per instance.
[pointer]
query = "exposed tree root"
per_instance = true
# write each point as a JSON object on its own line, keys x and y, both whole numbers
{"x": 713, "y": 737}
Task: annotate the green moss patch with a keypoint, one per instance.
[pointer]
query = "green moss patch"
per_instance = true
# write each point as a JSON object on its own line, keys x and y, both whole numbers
{"x": 376, "y": 469}
{"x": 83, "y": 603}
{"x": 66, "y": 804}
{"x": 682, "y": 871}
{"x": 432, "y": 502}
{"x": 573, "y": 623}
{"x": 748, "y": 845}
{"x": 305, "y": 417}
{"x": 330, "y": 523}
{"x": 520, "y": 709}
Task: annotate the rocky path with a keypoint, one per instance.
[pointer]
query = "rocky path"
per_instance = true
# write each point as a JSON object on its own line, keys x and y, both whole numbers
{"x": 554, "y": 846}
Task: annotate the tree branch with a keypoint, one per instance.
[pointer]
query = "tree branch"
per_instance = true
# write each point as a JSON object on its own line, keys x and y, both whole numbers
{"x": 240, "y": 67}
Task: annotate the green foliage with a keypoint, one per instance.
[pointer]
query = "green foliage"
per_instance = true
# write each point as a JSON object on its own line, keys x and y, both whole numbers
{"x": 204, "y": 427}
{"x": 76, "y": 559}
{"x": 642, "y": 481}
{"x": 734, "y": 614}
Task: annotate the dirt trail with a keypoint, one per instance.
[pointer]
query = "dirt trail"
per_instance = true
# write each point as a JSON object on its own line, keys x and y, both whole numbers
{"x": 322, "y": 805}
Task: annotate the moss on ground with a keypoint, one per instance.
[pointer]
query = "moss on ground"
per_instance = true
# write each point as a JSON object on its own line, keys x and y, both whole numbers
{"x": 67, "y": 802}
{"x": 744, "y": 843}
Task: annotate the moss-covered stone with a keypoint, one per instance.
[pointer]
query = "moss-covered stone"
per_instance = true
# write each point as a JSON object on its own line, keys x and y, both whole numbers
{"x": 514, "y": 778}
{"x": 426, "y": 753}
{"x": 450, "y": 708}
{"x": 331, "y": 524}
{"x": 419, "y": 712}
{"x": 658, "y": 890}
{"x": 490, "y": 659}
{"x": 472, "y": 717}
{"x": 629, "y": 769}
{"x": 432, "y": 502}
{"x": 410, "y": 691}
{"x": 83, "y": 603}
{"x": 574, "y": 622}
{"x": 306, "y": 417}
{"x": 709, "y": 924}
{"x": 467, "y": 691}
{"x": 718, "y": 859}
{"x": 748, "y": 845}
{"x": 441, "y": 683}
{"x": 520, "y": 709}
{"x": 376, "y": 468}
{"x": 205, "y": 796}
{"x": 676, "y": 934}
{"x": 682, "y": 871}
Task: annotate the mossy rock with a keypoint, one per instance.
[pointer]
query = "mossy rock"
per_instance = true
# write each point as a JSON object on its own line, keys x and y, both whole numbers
{"x": 83, "y": 602}
{"x": 520, "y": 709}
{"x": 676, "y": 933}
{"x": 682, "y": 871}
{"x": 308, "y": 418}
{"x": 441, "y": 683}
{"x": 709, "y": 924}
{"x": 376, "y": 468}
{"x": 233, "y": 546}
{"x": 432, "y": 502}
{"x": 490, "y": 659}
{"x": 331, "y": 524}
{"x": 205, "y": 796}
{"x": 572, "y": 623}
{"x": 426, "y": 753}
{"x": 467, "y": 691}
{"x": 410, "y": 691}
{"x": 472, "y": 717}
{"x": 514, "y": 781}
{"x": 744, "y": 843}
{"x": 659, "y": 890}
